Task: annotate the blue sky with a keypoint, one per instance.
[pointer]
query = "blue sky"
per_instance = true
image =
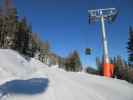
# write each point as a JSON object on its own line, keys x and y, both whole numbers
{"x": 64, "y": 23}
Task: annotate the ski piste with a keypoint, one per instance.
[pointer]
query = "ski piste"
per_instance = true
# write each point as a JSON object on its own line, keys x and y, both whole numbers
{"x": 57, "y": 83}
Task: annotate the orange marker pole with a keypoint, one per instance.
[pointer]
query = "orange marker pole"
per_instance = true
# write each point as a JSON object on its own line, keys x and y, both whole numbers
{"x": 108, "y": 70}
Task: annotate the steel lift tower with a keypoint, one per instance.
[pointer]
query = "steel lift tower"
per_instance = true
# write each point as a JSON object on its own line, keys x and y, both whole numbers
{"x": 104, "y": 15}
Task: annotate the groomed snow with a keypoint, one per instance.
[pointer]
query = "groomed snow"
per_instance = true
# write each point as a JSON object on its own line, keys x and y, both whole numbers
{"x": 61, "y": 85}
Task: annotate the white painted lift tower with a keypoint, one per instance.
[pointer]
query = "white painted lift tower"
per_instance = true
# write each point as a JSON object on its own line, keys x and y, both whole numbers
{"x": 104, "y": 15}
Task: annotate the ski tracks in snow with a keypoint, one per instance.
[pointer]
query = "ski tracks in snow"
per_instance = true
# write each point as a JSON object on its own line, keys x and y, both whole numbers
{"x": 62, "y": 87}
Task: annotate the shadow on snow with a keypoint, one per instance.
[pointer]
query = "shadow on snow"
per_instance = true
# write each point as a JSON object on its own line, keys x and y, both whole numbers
{"x": 27, "y": 87}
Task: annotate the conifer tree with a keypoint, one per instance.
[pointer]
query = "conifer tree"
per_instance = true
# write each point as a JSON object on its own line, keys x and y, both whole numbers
{"x": 22, "y": 36}
{"x": 121, "y": 68}
{"x": 17, "y": 34}
{"x": 44, "y": 51}
{"x": 9, "y": 28}
{"x": 1, "y": 25}
{"x": 73, "y": 62}
{"x": 99, "y": 66}
{"x": 130, "y": 46}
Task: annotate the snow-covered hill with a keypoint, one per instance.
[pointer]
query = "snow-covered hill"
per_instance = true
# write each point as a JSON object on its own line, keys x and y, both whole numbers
{"x": 23, "y": 80}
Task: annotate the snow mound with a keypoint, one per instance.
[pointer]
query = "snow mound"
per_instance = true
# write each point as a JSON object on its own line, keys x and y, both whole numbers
{"x": 13, "y": 63}
{"x": 33, "y": 80}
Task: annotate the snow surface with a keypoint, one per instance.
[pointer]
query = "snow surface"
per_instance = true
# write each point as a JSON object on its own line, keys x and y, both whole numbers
{"x": 40, "y": 82}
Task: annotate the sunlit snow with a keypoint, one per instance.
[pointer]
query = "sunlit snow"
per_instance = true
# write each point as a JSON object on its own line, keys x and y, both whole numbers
{"x": 32, "y": 80}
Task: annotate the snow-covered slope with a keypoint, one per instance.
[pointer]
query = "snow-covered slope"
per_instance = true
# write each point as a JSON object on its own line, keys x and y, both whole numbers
{"x": 12, "y": 65}
{"x": 54, "y": 83}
